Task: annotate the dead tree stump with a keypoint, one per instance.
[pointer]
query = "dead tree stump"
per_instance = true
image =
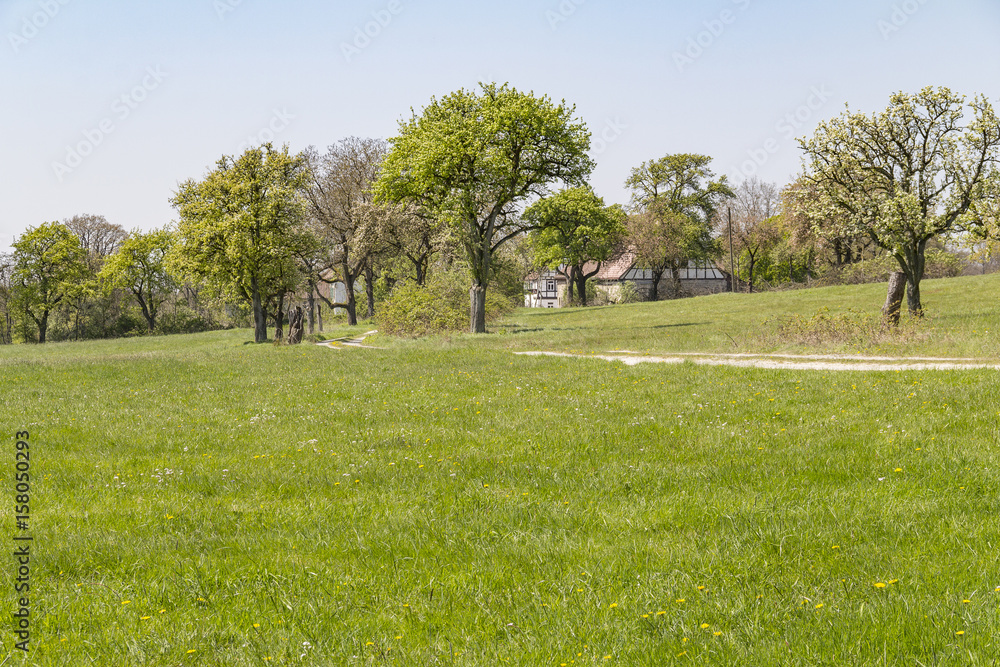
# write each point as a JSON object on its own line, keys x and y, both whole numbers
{"x": 295, "y": 325}
{"x": 894, "y": 298}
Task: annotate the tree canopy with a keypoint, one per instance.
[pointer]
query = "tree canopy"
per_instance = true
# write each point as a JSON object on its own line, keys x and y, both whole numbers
{"x": 474, "y": 159}
{"x": 239, "y": 228}
{"x": 674, "y": 203}
{"x": 139, "y": 267}
{"x": 574, "y": 227}
{"x": 907, "y": 174}
{"x": 48, "y": 262}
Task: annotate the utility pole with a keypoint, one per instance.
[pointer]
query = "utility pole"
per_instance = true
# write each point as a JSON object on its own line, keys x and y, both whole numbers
{"x": 732, "y": 274}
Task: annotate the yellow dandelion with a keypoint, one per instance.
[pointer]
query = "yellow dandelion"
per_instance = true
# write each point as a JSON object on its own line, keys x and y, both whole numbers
{"x": 704, "y": 626}
{"x": 145, "y": 618}
{"x": 661, "y": 613}
{"x": 819, "y": 606}
{"x": 879, "y": 584}
{"x": 894, "y": 581}
{"x": 960, "y": 633}
{"x": 681, "y": 600}
{"x": 126, "y": 602}
{"x": 717, "y": 633}
{"x": 898, "y": 470}
{"x": 192, "y": 650}
{"x": 614, "y": 604}
{"x": 966, "y": 601}
{"x": 256, "y": 625}
{"x": 701, "y": 588}
{"x": 645, "y": 615}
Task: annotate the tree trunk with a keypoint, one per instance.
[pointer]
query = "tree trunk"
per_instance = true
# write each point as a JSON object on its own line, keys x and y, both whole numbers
{"x": 477, "y": 298}
{"x": 370, "y": 290}
{"x": 894, "y": 298}
{"x": 43, "y": 326}
{"x": 352, "y": 303}
{"x": 912, "y": 263}
{"x": 311, "y": 305}
{"x": 319, "y": 313}
{"x": 675, "y": 279}
{"x": 279, "y": 318}
{"x": 150, "y": 318}
{"x": 654, "y": 294}
{"x": 913, "y": 299}
{"x": 421, "y": 271}
{"x": 581, "y": 286}
{"x": 259, "y": 321}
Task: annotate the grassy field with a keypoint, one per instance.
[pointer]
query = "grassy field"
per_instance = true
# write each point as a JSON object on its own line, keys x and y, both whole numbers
{"x": 200, "y": 501}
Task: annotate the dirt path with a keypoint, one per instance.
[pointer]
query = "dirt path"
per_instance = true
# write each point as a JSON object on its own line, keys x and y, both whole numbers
{"x": 341, "y": 343}
{"x": 807, "y": 362}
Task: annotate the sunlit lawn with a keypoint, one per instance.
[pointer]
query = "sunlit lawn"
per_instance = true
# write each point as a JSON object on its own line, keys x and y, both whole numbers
{"x": 202, "y": 501}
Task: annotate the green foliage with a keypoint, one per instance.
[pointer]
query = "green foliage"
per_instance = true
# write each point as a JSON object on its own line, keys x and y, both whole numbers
{"x": 48, "y": 265}
{"x": 906, "y": 175}
{"x": 472, "y": 160}
{"x": 674, "y": 201}
{"x": 138, "y": 267}
{"x": 574, "y": 227}
{"x": 240, "y": 228}
{"x": 439, "y": 306}
{"x": 629, "y": 293}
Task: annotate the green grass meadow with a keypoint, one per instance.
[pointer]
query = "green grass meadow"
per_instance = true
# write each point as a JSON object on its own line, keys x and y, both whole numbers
{"x": 197, "y": 500}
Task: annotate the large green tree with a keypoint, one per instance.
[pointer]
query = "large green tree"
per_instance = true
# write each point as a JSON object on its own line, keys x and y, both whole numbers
{"x": 48, "y": 263}
{"x": 906, "y": 175}
{"x": 473, "y": 160}
{"x": 674, "y": 203}
{"x": 240, "y": 227}
{"x": 574, "y": 227}
{"x": 138, "y": 266}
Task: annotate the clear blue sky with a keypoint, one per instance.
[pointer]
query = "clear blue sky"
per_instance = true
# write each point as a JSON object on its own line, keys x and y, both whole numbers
{"x": 108, "y": 104}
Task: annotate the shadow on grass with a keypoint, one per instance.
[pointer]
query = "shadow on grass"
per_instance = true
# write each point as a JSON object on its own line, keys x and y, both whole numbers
{"x": 683, "y": 324}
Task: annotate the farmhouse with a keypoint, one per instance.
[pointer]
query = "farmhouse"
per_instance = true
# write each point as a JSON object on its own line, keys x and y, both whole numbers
{"x": 549, "y": 288}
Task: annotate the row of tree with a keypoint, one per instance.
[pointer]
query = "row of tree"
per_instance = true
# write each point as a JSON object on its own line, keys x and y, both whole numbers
{"x": 894, "y": 184}
{"x": 479, "y": 173}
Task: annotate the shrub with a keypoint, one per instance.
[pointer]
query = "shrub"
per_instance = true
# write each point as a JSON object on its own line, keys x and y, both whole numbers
{"x": 629, "y": 293}
{"x": 440, "y": 306}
